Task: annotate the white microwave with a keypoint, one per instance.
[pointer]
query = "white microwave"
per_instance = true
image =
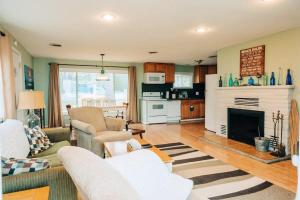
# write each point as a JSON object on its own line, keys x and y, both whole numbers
{"x": 154, "y": 78}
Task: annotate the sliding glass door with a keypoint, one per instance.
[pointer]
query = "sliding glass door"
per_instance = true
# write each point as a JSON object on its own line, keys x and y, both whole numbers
{"x": 79, "y": 87}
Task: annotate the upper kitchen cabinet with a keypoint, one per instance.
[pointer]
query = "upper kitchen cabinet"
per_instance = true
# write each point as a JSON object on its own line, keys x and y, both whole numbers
{"x": 212, "y": 69}
{"x": 149, "y": 67}
{"x": 160, "y": 68}
{"x": 199, "y": 73}
{"x": 170, "y": 73}
{"x": 167, "y": 68}
{"x": 201, "y": 70}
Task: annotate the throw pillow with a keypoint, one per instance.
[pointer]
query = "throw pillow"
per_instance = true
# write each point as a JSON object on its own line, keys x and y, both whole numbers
{"x": 38, "y": 140}
{"x": 14, "y": 166}
{"x": 13, "y": 140}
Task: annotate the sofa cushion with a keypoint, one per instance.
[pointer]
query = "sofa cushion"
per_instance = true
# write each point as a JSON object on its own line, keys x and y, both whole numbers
{"x": 52, "y": 159}
{"x": 38, "y": 140}
{"x": 53, "y": 149}
{"x": 150, "y": 177}
{"x": 89, "y": 115}
{"x": 13, "y": 140}
{"x": 94, "y": 177}
{"x": 14, "y": 166}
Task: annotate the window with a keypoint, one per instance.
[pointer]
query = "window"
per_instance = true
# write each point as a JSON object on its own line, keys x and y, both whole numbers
{"x": 79, "y": 87}
{"x": 183, "y": 80}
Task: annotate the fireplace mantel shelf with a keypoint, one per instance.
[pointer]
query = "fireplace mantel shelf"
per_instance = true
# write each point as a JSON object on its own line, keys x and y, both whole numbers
{"x": 257, "y": 87}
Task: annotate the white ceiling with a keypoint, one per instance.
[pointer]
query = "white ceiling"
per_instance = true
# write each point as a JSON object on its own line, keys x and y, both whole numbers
{"x": 166, "y": 26}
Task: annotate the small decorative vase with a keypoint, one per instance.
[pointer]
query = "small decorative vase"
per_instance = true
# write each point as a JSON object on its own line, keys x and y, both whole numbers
{"x": 250, "y": 81}
{"x": 230, "y": 82}
{"x": 289, "y": 80}
{"x": 220, "y": 82}
{"x": 236, "y": 82}
{"x": 272, "y": 79}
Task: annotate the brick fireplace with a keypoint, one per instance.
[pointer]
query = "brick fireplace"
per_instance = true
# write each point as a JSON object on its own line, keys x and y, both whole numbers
{"x": 253, "y": 101}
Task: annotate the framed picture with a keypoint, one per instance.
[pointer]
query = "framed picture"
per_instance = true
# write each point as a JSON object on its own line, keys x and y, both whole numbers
{"x": 252, "y": 61}
{"x": 29, "y": 79}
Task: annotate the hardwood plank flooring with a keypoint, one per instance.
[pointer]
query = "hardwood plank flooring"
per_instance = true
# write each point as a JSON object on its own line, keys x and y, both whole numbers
{"x": 283, "y": 173}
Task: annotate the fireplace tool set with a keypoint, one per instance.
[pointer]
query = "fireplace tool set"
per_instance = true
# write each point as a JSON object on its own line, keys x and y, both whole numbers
{"x": 278, "y": 147}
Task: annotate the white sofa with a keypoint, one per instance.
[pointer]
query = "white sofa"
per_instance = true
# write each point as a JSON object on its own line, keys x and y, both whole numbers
{"x": 137, "y": 175}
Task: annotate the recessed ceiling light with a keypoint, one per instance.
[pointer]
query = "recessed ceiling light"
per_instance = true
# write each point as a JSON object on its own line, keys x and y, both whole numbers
{"x": 201, "y": 30}
{"x": 108, "y": 17}
{"x": 55, "y": 45}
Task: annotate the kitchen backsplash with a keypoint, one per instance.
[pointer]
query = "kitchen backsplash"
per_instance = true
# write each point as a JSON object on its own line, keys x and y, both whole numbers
{"x": 197, "y": 88}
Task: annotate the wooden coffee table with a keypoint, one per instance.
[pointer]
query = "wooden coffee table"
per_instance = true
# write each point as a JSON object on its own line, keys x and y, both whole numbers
{"x": 120, "y": 147}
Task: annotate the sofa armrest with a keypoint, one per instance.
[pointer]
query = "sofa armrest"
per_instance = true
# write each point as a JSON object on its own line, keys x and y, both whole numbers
{"x": 115, "y": 124}
{"x": 84, "y": 127}
{"x": 58, "y": 134}
{"x": 59, "y": 181}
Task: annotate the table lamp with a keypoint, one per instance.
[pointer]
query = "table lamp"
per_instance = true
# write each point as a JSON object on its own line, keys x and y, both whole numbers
{"x": 30, "y": 100}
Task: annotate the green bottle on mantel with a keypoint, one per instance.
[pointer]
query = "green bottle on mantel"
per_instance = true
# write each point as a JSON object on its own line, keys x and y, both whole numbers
{"x": 230, "y": 82}
{"x": 220, "y": 82}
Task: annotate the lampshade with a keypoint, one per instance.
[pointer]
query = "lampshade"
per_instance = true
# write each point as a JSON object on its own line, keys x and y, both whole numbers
{"x": 31, "y": 100}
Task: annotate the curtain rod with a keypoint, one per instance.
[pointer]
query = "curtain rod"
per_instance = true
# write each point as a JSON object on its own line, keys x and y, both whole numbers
{"x": 89, "y": 65}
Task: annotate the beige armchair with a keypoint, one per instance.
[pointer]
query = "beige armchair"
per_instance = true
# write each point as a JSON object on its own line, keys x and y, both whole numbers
{"x": 93, "y": 129}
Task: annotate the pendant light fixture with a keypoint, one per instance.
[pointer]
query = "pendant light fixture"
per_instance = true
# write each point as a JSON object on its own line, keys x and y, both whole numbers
{"x": 102, "y": 76}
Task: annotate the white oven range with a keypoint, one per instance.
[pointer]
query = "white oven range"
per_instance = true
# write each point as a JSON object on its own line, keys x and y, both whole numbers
{"x": 154, "y": 108}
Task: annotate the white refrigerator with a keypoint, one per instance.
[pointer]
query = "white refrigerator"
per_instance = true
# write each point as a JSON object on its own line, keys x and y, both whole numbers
{"x": 211, "y": 84}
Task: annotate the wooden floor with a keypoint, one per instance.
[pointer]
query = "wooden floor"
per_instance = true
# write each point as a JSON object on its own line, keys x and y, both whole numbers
{"x": 283, "y": 173}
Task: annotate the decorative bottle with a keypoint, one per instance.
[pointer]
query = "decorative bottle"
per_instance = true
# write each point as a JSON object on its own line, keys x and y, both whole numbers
{"x": 279, "y": 76}
{"x": 289, "y": 80}
{"x": 220, "y": 82}
{"x": 272, "y": 79}
{"x": 236, "y": 82}
{"x": 230, "y": 82}
{"x": 266, "y": 81}
{"x": 250, "y": 81}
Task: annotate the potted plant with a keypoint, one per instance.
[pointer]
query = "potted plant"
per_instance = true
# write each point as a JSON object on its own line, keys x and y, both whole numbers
{"x": 261, "y": 143}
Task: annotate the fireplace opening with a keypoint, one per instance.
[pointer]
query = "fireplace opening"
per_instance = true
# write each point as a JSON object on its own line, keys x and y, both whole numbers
{"x": 243, "y": 125}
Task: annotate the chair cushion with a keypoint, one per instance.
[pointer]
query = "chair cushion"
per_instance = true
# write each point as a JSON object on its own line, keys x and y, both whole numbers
{"x": 13, "y": 140}
{"x": 38, "y": 140}
{"x": 53, "y": 149}
{"x": 94, "y": 177}
{"x": 89, "y": 115}
{"x": 110, "y": 136}
{"x": 14, "y": 166}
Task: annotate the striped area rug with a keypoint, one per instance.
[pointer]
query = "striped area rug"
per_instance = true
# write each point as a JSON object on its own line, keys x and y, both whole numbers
{"x": 214, "y": 179}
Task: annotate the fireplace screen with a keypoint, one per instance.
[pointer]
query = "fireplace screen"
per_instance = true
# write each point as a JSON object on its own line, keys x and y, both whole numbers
{"x": 244, "y": 125}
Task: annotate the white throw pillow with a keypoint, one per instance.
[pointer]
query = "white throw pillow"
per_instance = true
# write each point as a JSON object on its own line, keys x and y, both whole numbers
{"x": 13, "y": 141}
{"x": 94, "y": 177}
